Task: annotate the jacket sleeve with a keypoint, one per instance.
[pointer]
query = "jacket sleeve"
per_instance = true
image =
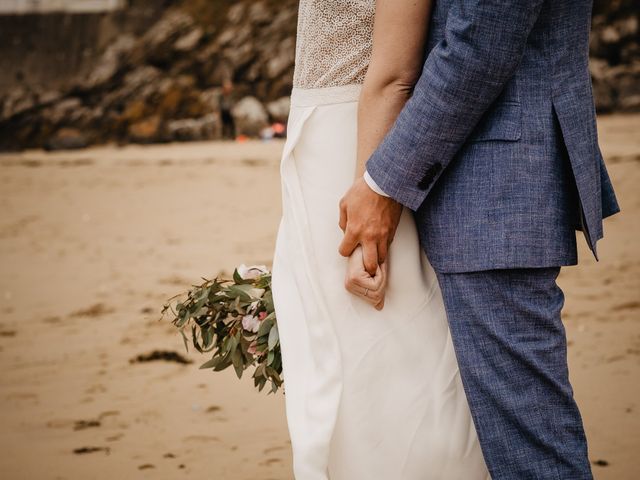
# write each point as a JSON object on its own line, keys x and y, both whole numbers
{"x": 483, "y": 44}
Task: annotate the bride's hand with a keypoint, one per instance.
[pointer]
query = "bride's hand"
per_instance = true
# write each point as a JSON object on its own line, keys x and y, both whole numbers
{"x": 360, "y": 283}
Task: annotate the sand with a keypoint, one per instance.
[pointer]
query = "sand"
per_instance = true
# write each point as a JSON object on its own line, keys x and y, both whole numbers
{"x": 93, "y": 242}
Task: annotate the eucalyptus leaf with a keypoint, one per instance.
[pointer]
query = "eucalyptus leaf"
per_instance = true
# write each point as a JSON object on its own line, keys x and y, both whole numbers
{"x": 207, "y": 337}
{"x": 194, "y": 337}
{"x": 271, "y": 373}
{"x": 185, "y": 340}
{"x": 265, "y": 326}
{"x": 211, "y": 363}
{"x": 224, "y": 363}
{"x": 240, "y": 292}
{"x": 267, "y": 300}
{"x": 238, "y": 364}
{"x": 273, "y": 337}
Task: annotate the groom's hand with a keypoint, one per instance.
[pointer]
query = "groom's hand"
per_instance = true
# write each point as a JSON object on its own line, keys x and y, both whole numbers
{"x": 369, "y": 220}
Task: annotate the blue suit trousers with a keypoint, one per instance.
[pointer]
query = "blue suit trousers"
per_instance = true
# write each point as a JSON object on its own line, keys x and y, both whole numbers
{"x": 512, "y": 352}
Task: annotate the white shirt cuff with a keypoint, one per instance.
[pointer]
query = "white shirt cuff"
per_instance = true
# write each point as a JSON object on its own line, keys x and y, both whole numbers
{"x": 373, "y": 185}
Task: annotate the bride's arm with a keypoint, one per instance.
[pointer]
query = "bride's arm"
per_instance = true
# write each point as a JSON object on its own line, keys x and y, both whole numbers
{"x": 399, "y": 38}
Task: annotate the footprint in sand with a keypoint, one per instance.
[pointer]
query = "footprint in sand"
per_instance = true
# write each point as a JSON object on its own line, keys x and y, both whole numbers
{"x": 95, "y": 310}
{"x": 633, "y": 305}
{"x": 60, "y": 424}
{"x": 85, "y": 424}
{"x": 18, "y": 227}
{"x": 201, "y": 438}
{"x": 615, "y": 358}
{"x": 52, "y": 320}
{"x": 85, "y": 450}
{"x": 22, "y": 396}
{"x": 272, "y": 449}
{"x": 215, "y": 411}
{"x": 97, "y": 388}
{"x": 108, "y": 413}
{"x": 161, "y": 355}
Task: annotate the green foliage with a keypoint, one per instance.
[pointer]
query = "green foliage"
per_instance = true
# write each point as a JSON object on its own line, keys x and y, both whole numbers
{"x": 235, "y": 320}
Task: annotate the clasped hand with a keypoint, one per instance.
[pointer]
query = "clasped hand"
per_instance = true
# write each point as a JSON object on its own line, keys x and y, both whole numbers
{"x": 369, "y": 221}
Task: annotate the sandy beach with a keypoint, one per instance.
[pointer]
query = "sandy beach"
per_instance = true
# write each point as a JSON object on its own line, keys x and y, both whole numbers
{"x": 93, "y": 242}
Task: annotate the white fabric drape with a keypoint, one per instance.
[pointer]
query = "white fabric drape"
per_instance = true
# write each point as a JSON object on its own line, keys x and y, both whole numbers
{"x": 369, "y": 395}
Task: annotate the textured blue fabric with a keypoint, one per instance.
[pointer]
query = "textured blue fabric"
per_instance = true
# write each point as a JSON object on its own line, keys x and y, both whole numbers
{"x": 500, "y": 138}
{"x": 512, "y": 353}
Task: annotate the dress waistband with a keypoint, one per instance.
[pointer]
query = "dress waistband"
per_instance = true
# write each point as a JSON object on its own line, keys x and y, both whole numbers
{"x": 309, "y": 97}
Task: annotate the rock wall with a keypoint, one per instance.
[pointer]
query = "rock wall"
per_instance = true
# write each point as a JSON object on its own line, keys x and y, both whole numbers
{"x": 184, "y": 70}
{"x": 49, "y": 51}
{"x": 173, "y": 81}
{"x": 615, "y": 55}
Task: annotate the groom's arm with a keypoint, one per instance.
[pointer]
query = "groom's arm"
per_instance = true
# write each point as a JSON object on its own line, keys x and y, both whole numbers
{"x": 462, "y": 76}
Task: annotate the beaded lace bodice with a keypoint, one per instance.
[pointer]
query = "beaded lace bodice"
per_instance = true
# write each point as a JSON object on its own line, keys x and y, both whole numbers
{"x": 333, "y": 42}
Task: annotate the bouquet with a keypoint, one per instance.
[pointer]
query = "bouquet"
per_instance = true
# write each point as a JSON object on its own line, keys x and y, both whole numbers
{"x": 236, "y": 321}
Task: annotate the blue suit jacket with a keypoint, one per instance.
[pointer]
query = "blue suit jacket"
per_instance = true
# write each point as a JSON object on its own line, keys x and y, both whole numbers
{"x": 497, "y": 151}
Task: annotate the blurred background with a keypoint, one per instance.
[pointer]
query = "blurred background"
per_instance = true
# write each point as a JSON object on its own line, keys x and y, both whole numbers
{"x": 80, "y": 72}
{"x": 149, "y": 71}
{"x": 139, "y": 151}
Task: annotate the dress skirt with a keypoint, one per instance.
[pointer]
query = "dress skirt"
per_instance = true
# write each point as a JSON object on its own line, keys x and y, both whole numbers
{"x": 370, "y": 395}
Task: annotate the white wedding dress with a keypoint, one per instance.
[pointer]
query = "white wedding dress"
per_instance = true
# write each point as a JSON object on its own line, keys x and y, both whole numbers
{"x": 370, "y": 395}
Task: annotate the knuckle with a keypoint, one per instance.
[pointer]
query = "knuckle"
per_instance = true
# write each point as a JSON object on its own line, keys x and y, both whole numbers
{"x": 369, "y": 235}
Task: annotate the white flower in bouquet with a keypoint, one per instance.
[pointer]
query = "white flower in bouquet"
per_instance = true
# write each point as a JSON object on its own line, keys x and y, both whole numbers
{"x": 252, "y": 272}
{"x": 251, "y": 323}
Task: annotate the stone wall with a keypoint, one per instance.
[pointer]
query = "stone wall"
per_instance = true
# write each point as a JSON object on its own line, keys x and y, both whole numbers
{"x": 47, "y": 6}
{"x": 168, "y": 82}
{"x": 49, "y": 51}
{"x": 615, "y": 55}
{"x": 163, "y": 70}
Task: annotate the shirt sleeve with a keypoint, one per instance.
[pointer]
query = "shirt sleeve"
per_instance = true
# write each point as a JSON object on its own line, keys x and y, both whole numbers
{"x": 373, "y": 185}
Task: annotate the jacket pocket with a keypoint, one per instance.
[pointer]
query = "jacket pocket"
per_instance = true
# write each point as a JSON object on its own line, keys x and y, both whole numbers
{"x": 502, "y": 121}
